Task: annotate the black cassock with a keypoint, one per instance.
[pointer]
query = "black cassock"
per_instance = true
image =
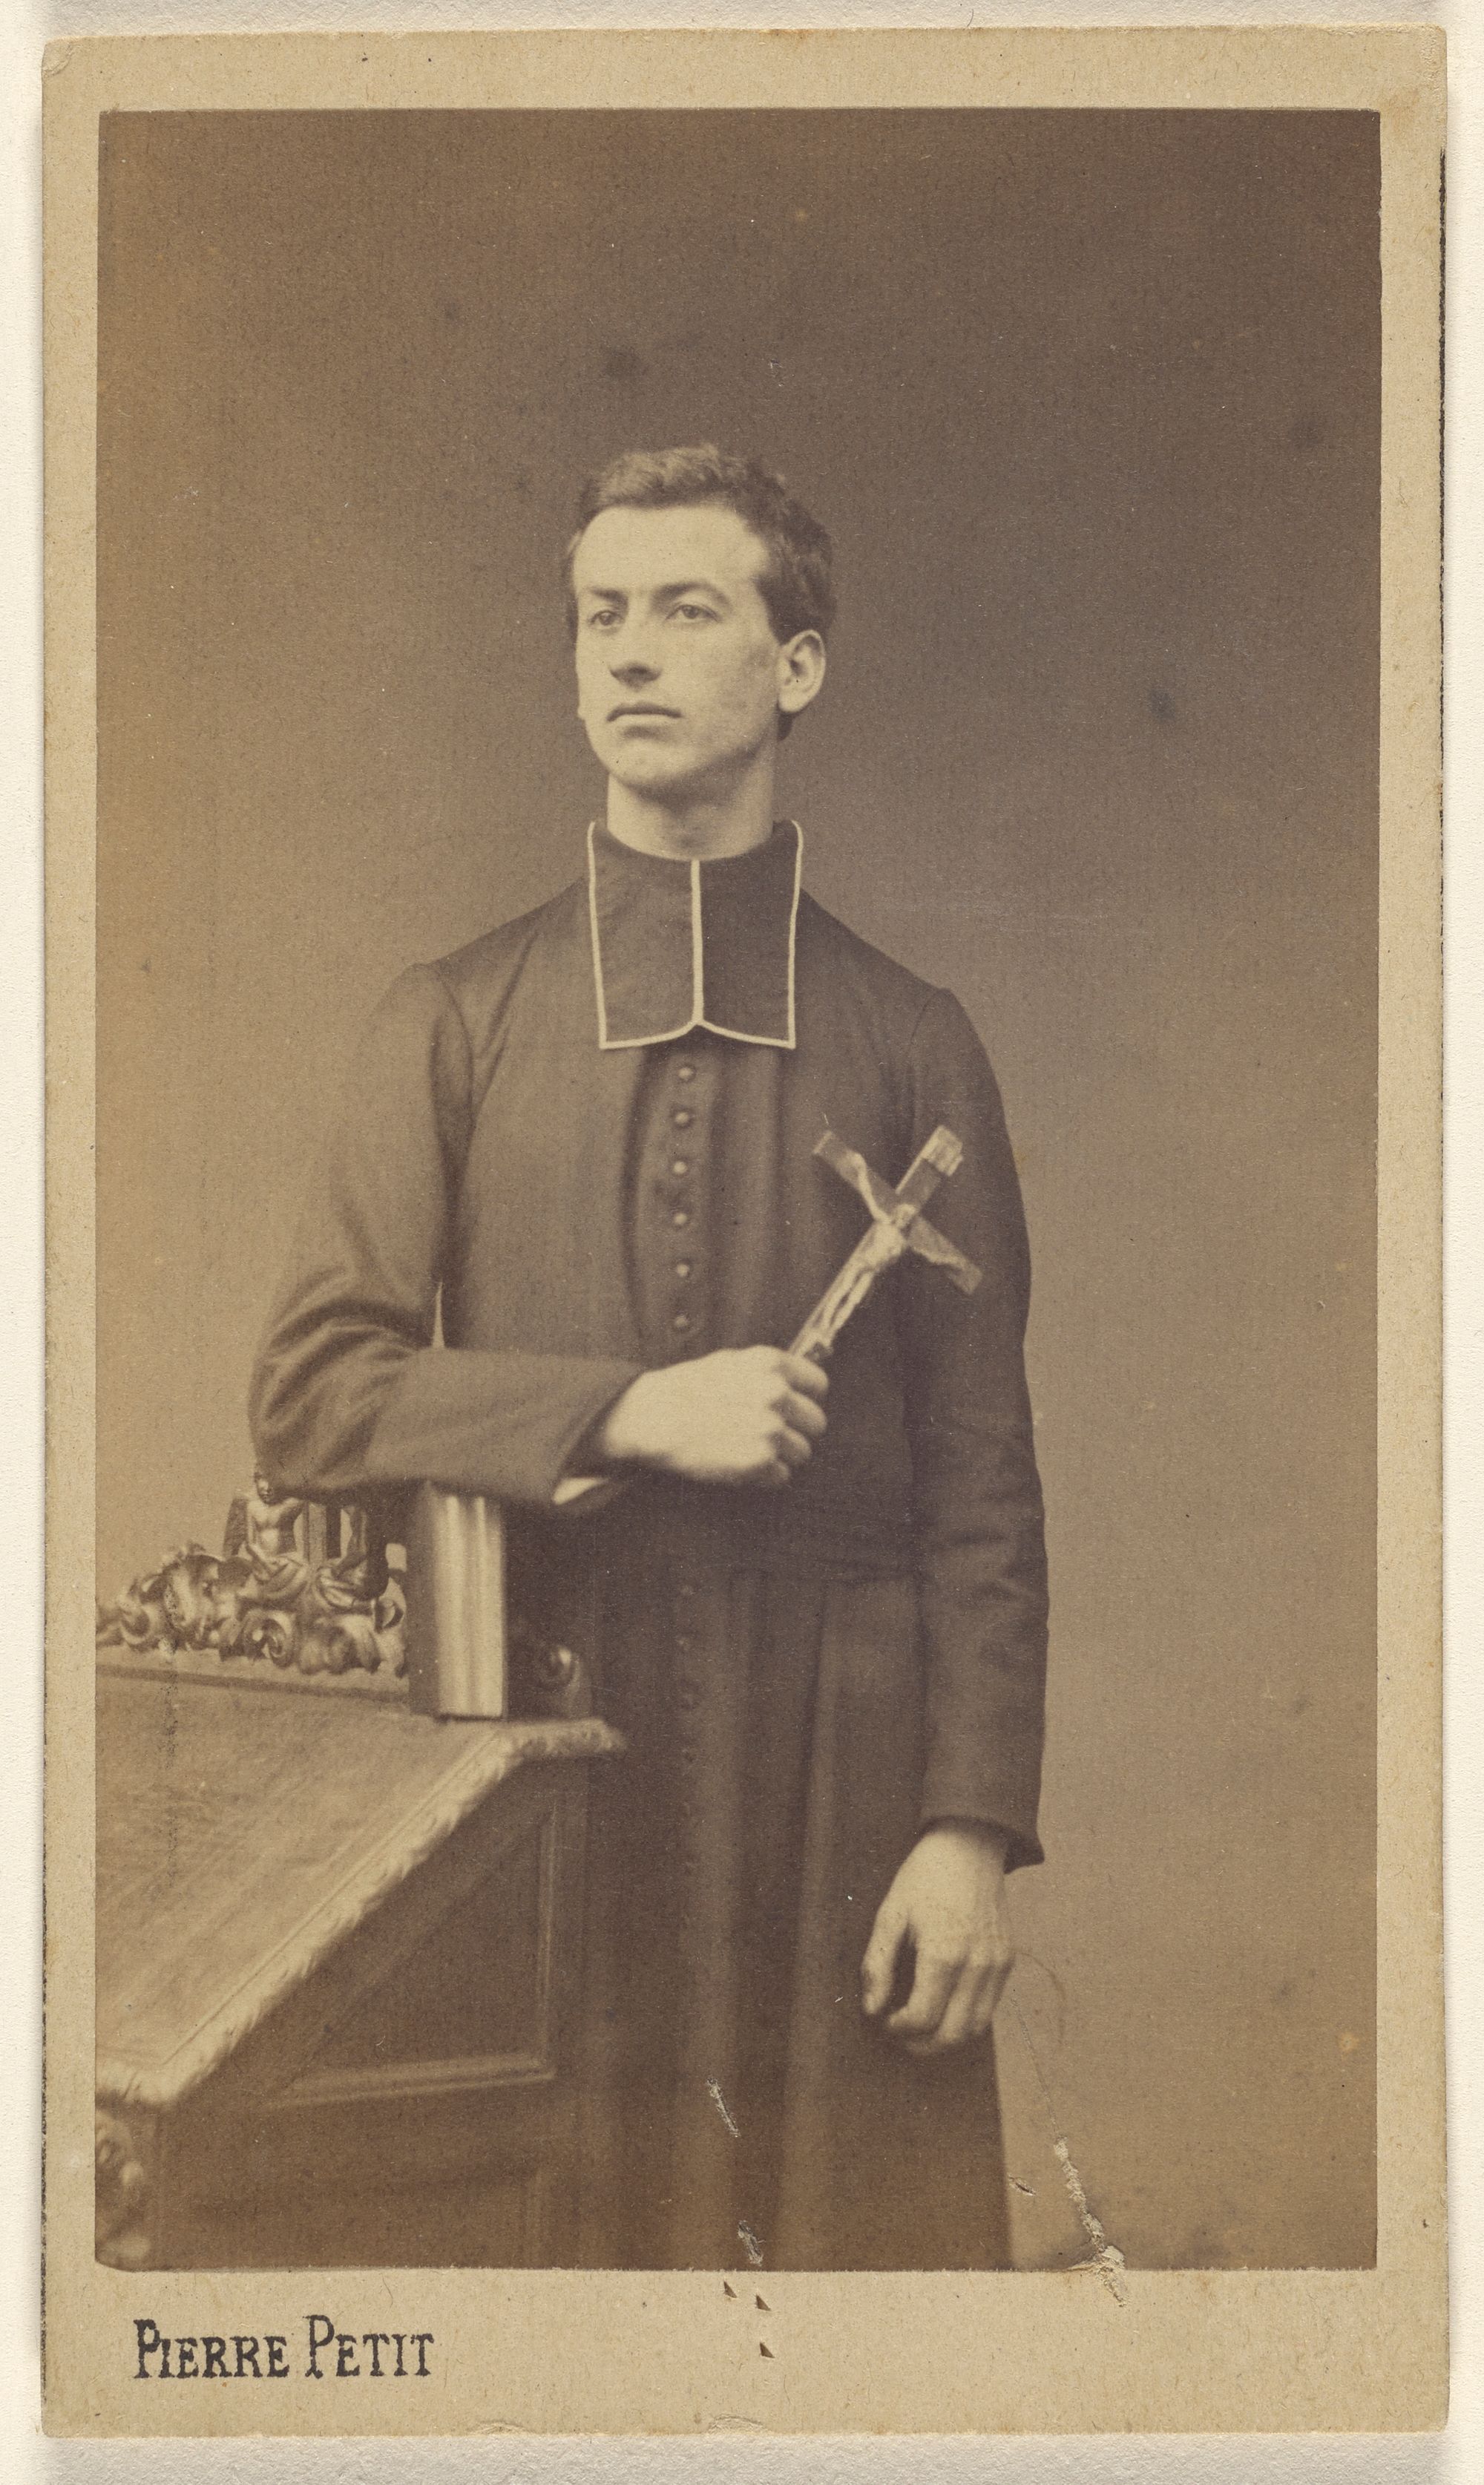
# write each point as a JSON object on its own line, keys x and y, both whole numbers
{"x": 590, "y": 1137}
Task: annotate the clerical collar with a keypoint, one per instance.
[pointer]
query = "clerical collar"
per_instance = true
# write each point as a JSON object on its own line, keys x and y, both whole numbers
{"x": 678, "y": 946}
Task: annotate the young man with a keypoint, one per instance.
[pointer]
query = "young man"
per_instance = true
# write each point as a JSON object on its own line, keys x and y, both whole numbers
{"x": 815, "y": 1604}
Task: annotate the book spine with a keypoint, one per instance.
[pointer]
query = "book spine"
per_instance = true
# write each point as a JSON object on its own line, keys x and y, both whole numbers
{"x": 457, "y": 1652}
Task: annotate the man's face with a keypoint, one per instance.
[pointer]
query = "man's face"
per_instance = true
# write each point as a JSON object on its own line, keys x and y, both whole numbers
{"x": 680, "y": 678}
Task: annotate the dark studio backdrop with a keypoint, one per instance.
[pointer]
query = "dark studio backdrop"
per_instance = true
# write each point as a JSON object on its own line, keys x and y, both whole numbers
{"x": 1089, "y": 402}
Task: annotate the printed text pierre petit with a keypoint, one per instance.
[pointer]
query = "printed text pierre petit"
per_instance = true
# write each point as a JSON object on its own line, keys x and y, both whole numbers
{"x": 333, "y": 2354}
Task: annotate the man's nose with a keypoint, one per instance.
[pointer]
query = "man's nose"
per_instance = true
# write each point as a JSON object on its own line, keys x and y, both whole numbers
{"x": 632, "y": 666}
{"x": 632, "y": 650}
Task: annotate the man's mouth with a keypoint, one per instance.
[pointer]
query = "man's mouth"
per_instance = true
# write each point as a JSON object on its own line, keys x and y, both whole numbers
{"x": 641, "y": 707}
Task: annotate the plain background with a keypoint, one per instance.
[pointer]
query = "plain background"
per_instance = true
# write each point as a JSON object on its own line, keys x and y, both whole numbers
{"x": 1091, "y": 404}
{"x": 1167, "y": 2460}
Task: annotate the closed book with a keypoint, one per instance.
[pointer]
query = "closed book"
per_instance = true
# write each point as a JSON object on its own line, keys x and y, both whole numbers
{"x": 457, "y": 1637}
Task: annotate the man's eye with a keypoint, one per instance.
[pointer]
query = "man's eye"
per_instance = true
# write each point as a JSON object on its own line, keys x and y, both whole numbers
{"x": 694, "y": 612}
{"x": 603, "y": 619}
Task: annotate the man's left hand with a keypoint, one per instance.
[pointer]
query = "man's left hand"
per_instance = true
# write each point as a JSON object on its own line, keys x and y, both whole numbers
{"x": 947, "y": 1899}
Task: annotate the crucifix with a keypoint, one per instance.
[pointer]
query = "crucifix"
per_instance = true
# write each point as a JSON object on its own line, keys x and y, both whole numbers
{"x": 460, "y": 1636}
{"x": 897, "y": 1226}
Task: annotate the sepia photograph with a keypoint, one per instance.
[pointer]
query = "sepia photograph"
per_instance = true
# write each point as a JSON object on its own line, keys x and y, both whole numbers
{"x": 741, "y": 914}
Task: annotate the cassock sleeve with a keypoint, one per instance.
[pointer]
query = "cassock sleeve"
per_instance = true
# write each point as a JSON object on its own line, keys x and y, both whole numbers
{"x": 977, "y": 1495}
{"x": 350, "y": 1395}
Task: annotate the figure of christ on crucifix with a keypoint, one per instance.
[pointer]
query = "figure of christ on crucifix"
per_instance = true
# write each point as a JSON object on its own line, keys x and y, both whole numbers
{"x": 809, "y": 1578}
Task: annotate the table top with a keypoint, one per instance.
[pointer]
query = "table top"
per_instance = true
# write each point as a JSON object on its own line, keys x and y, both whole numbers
{"x": 241, "y": 1837}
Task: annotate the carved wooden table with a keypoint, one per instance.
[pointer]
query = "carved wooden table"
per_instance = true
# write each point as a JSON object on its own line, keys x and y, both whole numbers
{"x": 339, "y": 1979}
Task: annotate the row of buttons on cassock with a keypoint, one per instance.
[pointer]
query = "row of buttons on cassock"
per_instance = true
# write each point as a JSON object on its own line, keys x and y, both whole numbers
{"x": 687, "y": 1688}
{"x": 682, "y": 1321}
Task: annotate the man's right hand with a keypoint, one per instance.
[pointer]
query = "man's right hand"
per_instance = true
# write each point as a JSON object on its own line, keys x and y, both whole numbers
{"x": 747, "y": 1414}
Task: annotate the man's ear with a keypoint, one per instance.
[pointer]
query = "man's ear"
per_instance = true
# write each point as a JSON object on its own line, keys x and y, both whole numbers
{"x": 802, "y": 664}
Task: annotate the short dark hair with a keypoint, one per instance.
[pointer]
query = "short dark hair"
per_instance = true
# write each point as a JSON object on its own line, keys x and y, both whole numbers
{"x": 796, "y": 582}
